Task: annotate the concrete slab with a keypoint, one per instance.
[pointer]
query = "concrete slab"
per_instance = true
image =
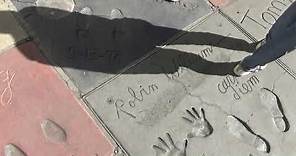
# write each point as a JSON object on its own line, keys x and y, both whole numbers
{"x": 289, "y": 61}
{"x": 94, "y": 45}
{"x": 10, "y": 31}
{"x": 38, "y": 113}
{"x": 256, "y": 17}
{"x": 220, "y": 3}
{"x": 150, "y": 100}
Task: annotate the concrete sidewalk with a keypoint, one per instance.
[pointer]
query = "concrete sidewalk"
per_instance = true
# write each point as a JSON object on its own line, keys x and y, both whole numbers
{"x": 65, "y": 93}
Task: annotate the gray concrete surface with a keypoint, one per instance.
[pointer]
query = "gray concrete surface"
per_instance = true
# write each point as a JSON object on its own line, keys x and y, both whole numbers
{"x": 149, "y": 101}
{"x": 140, "y": 107}
{"x": 93, "y": 47}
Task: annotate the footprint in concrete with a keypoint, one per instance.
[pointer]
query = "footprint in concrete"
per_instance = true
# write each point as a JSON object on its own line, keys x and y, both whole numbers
{"x": 241, "y": 132}
{"x": 200, "y": 126}
{"x": 170, "y": 148}
{"x": 116, "y": 14}
{"x": 86, "y": 11}
{"x": 13, "y": 150}
{"x": 270, "y": 101}
{"x": 61, "y": 9}
{"x": 53, "y": 132}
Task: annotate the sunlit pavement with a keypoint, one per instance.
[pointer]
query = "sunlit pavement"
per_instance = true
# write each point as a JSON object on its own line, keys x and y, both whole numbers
{"x": 66, "y": 90}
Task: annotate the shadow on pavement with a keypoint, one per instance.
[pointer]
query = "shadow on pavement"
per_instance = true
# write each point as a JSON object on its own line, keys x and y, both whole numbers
{"x": 107, "y": 45}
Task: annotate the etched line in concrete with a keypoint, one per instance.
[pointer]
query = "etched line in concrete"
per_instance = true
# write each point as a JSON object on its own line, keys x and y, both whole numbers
{"x": 236, "y": 88}
{"x": 253, "y": 39}
{"x": 107, "y": 130}
{"x": 154, "y": 51}
{"x": 6, "y": 95}
{"x": 13, "y": 150}
{"x": 269, "y": 15}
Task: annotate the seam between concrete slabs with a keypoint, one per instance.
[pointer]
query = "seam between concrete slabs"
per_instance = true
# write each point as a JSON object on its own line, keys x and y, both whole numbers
{"x": 135, "y": 63}
{"x": 71, "y": 83}
{"x": 60, "y": 72}
{"x": 279, "y": 62}
{"x": 152, "y": 52}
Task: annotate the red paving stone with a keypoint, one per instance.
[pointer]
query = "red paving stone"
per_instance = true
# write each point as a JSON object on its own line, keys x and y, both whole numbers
{"x": 31, "y": 95}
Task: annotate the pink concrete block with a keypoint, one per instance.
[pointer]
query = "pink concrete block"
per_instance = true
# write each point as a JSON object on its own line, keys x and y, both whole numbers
{"x": 39, "y": 115}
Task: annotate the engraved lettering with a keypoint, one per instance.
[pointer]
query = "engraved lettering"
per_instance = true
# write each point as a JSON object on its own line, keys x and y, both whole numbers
{"x": 246, "y": 16}
{"x": 268, "y": 18}
{"x": 6, "y": 79}
{"x": 232, "y": 85}
{"x": 121, "y": 106}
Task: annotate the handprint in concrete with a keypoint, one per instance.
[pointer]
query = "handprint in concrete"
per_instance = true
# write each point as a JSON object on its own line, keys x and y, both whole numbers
{"x": 169, "y": 148}
{"x": 200, "y": 126}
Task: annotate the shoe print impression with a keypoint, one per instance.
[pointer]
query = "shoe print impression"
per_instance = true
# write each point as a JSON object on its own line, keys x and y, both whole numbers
{"x": 237, "y": 129}
{"x": 269, "y": 100}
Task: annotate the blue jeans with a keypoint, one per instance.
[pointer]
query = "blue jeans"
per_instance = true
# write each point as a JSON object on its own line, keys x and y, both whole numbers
{"x": 280, "y": 40}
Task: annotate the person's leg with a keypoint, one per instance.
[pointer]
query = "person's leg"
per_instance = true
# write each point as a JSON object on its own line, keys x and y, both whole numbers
{"x": 272, "y": 50}
{"x": 287, "y": 19}
{"x": 280, "y": 40}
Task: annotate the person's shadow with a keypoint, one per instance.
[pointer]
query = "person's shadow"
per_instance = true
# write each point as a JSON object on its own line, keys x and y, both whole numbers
{"x": 99, "y": 44}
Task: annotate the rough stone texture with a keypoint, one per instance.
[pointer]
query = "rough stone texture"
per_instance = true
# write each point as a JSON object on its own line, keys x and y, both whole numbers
{"x": 53, "y": 132}
{"x": 10, "y": 31}
{"x": 150, "y": 99}
{"x": 289, "y": 59}
{"x": 12, "y": 150}
{"x": 92, "y": 49}
{"x": 31, "y": 92}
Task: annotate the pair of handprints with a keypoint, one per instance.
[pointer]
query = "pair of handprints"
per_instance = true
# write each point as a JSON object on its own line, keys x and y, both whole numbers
{"x": 6, "y": 94}
{"x": 200, "y": 128}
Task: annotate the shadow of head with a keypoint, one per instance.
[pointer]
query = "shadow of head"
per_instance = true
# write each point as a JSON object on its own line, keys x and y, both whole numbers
{"x": 83, "y": 40}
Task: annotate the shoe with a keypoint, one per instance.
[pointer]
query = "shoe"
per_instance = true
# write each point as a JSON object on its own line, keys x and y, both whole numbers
{"x": 260, "y": 67}
{"x": 239, "y": 71}
{"x": 261, "y": 43}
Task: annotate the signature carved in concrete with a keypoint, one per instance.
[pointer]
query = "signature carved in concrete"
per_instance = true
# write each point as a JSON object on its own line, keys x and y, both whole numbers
{"x": 233, "y": 85}
{"x": 6, "y": 93}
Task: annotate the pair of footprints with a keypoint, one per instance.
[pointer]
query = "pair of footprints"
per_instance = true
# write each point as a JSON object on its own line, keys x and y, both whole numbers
{"x": 202, "y": 128}
{"x": 237, "y": 128}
